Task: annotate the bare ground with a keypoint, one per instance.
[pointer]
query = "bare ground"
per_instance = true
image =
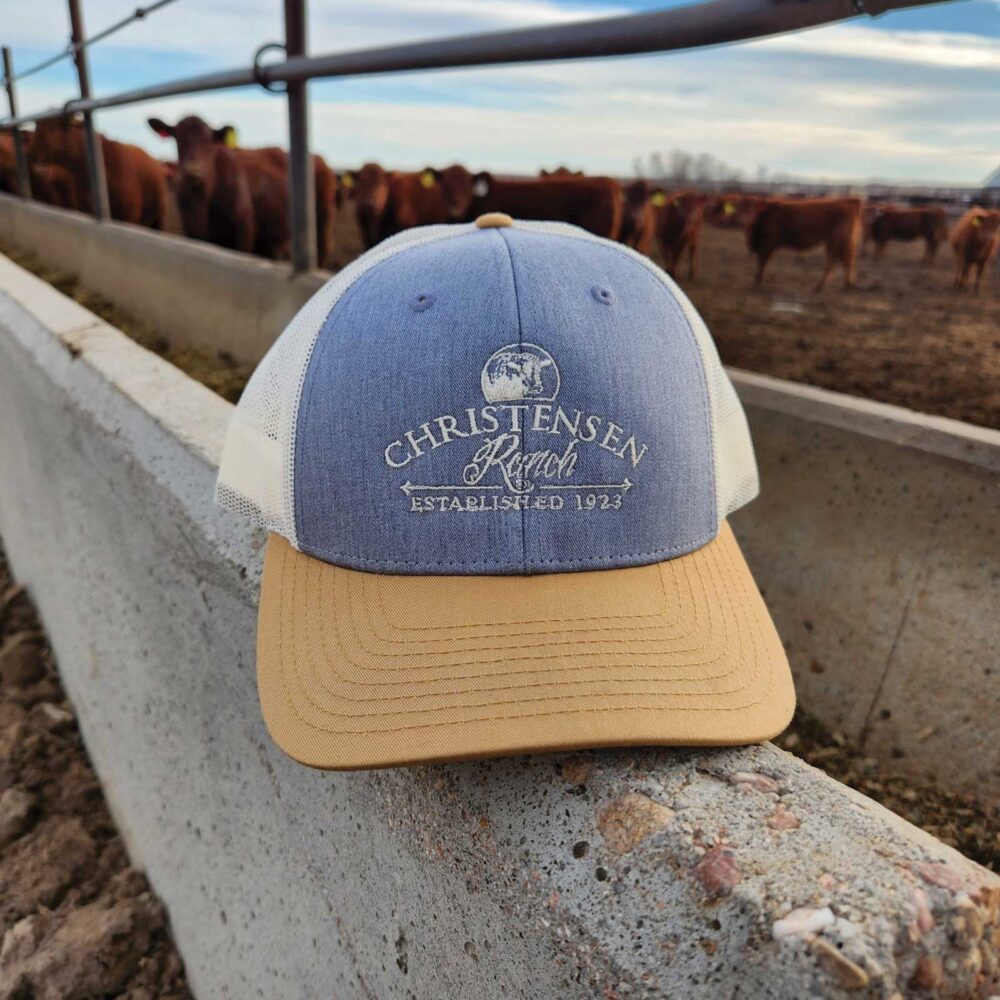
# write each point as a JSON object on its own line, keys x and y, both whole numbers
{"x": 903, "y": 336}
{"x": 76, "y": 920}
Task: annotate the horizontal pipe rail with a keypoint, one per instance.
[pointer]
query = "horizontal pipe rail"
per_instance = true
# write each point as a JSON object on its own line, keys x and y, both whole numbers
{"x": 714, "y": 22}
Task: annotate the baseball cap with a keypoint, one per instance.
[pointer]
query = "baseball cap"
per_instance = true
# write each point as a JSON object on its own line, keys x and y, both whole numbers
{"x": 495, "y": 461}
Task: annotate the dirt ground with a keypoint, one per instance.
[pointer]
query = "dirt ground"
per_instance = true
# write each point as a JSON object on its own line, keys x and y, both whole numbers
{"x": 77, "y": 922}
{"x": 903, "y": 336}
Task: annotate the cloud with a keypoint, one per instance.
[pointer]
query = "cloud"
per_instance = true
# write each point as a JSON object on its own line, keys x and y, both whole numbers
{"x": 919, "y": 48}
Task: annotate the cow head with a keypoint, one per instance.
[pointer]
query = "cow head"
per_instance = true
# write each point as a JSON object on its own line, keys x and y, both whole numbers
{"x": 370, "y": 189}
{"x": 197, "y": 145}
{"x": 456, "y": 191}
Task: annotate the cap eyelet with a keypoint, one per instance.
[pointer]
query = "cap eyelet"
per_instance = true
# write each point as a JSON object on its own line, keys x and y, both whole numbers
{"x": 423, "y": 301}
{"x": 602, "y": 295}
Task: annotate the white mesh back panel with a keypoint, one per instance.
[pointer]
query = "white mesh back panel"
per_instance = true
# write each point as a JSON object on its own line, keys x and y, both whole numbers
{"x": 736, "y": 479}
{"x": 256, "y": 474}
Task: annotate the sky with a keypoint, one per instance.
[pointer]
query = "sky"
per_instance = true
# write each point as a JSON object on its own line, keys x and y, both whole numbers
{"x": 912, "y": 96}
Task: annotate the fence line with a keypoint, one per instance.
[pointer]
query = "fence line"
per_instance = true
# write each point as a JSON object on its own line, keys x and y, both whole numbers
{"x": 137, "y": 15}
{"x": 712, "y": 22}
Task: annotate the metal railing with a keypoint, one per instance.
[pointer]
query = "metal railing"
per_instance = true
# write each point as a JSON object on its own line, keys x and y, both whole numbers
{"x": 712, "y": 22}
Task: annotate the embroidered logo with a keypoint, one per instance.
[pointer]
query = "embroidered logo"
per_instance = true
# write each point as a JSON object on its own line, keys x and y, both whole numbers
{"x": 520, "y": 371}
{"x": 523, "y": 448}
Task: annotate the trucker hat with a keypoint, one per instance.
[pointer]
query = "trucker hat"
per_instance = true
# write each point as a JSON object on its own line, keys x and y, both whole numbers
{"x": 496, "y": 460}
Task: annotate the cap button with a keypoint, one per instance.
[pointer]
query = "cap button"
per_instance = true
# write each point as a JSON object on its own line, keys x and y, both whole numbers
{"x": 494, "y": 220}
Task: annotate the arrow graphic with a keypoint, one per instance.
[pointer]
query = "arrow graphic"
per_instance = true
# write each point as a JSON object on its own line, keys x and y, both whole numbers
{"x": 622, "y": 487}
{"x": 409, "y": 487}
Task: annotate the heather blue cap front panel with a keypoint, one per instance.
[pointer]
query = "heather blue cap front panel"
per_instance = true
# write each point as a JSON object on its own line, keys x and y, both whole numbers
{"x": 504, "y": 401}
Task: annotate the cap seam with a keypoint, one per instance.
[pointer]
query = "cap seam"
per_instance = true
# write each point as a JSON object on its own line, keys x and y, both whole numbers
{"x": 520, "y": 347}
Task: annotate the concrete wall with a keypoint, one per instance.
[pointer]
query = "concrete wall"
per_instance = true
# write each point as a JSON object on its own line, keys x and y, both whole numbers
{"x": 874, "y": 539}
{"x": 634, "y": 873}
{"x": 876, "y": 543}
{"x": 196, "y": 294}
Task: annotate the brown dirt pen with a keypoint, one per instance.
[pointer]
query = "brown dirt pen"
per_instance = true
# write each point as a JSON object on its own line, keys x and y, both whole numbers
{"x": 903, "y": 336}
{"x": 76, "y": 920}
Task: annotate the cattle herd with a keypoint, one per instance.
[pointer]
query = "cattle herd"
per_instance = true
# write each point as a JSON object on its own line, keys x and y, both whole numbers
{"x": 238, "y": 198}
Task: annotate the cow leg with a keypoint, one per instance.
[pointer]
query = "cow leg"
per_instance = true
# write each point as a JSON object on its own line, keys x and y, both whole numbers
{"x": 692, "y": 251}
{"x": 961, "y": 276}
{"x": 850, "y": 270}
{"x": 762, "y": 261}
{"x": 828, "y": 266}
{"x": 979, "y": 275}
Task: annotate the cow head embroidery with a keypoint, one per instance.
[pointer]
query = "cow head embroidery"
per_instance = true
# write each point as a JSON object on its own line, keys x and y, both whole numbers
{"x": 520, "y": 371}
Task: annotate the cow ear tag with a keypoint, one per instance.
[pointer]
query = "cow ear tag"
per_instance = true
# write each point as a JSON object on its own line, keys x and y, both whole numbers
{"x": 977, "y": 222}
{"x": 347, "y": 180}
{"x": 427, "y": 179}
{"x": 230, "y": 139}
{"x": 658, "y": 199}
{"x": 728, "y": 208}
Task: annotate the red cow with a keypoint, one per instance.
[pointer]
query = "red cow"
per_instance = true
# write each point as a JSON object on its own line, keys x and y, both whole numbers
{"x": 8, "y": 161}
{"x": 678, "y": 227}
{"x": 212, "y": 184}
{"x": 137, "y": 190}
{"x": 639, "y": 216}
{"x": 414, "y": 199}
{"x": 975, "y": 239}
{"x": 425, "y": 198}
{"x": 50, "y": 184}
{"x": 593, "y": 203}
{"x": 892, "y": 223}
{"x": 563, "y": 172}
{"x": 368, "y": 188}
{"x": 803, "y": 224}
{"x": 732, "y": 210}
{"x": 325, "y": 189}
{"x": 53, "y": 185}
{"x": 238, "y": 198}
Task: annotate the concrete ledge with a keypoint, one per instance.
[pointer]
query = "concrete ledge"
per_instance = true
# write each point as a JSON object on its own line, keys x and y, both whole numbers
{"x": 876, "y": 543}
{"x": 196, "y": 294}
{"x": 641, "y": 874}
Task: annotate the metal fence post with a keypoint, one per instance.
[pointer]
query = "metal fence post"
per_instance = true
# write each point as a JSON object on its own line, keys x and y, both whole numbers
{"x": 95, "y": 156}
{"x": 301, "y": 186}
{"x": 23, "y": 174}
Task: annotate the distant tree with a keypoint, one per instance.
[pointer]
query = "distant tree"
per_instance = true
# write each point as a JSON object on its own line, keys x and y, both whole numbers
{"x": 680, "y": 166}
